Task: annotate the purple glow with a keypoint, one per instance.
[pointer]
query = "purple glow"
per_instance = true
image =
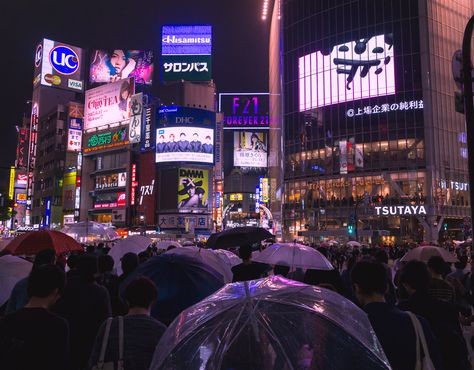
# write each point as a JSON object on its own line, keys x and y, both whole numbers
{"x": 345, "y": 75}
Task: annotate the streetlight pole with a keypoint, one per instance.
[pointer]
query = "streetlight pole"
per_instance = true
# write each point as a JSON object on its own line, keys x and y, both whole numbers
{"x": 469, "y": 105}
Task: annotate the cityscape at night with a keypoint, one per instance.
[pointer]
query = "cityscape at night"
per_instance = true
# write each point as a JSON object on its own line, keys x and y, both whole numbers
{"x": 263, "y": 184}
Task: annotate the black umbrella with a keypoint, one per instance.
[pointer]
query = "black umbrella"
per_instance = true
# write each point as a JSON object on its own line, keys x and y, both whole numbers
{"x": 246, "y": 235}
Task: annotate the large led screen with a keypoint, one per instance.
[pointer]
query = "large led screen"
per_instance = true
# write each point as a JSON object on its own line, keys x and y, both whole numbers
{"x": 250, "y": 149}
{"x": 108, "y": 103}
{"x": 112, "y": 65}
{"x": 193, "y": 188}
{"x": 186, "y": 40}
{"x": 185, "y": 144}
{"x": 351, "y": 71}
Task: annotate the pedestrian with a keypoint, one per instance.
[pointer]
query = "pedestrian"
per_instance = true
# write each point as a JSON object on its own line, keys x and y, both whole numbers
{"x": 439, "y": 288}
{"x": 85, "y": 305}
{"x": 393, "y": 327}
{"x": 129, "y": 263}
{"x": 33, "y": 337}
{"x": 248, "y": 270}
{"x": 141, "y": 332}
{"x": 442, "y": 316}
{"x": 19, "y": 295}
{"x": 108, "y": 279}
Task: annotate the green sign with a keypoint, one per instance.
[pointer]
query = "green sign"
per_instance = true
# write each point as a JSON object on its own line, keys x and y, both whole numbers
{"x": 106, "y": 140}
{"x": 186, "y": 67}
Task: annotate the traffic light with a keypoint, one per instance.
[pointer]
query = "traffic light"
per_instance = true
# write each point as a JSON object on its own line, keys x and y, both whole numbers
{"x": 445, "y": 226}
{"x": 350, "y": 229}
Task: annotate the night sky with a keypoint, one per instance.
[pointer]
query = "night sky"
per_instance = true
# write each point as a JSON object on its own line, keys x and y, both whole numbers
{"x": 240, "y": 42}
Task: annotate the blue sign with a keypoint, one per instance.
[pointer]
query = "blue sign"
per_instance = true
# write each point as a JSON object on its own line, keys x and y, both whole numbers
{"x": 64, "y": 60}
{"x": 47, "y": 218}
{"x": 184, "y": 116}
{"x": 218, "y": 199}
{"x": 186, "y": 40}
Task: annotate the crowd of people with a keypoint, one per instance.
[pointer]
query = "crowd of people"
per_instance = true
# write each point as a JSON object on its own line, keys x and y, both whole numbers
{"x": 89, "y": 316}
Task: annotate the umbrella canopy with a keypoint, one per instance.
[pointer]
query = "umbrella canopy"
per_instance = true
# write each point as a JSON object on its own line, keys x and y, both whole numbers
{"x": 134, "y": 244}
{"x": 84, "y": 229}
{"x": 207, "y": 257}
{"x": 267, "y": 324}
{"x": 424, "y": 253}
{"x": 353, "y": 243}
{"x": 228, "y": 257}
{"x": 164, "y": 244}
{"x": 12, "y": 270}
{"x": 36, "y": 241}
{"x": 246, "y": 235}
{"x": 181, "y": 280}
{"x": 296, "y": 255}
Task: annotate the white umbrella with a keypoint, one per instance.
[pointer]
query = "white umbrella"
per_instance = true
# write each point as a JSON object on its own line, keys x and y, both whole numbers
{"x": 296, "y": 255}
{"x": 84, "y": 229}
{"x": 164, "y": 244}
{"x": 424, "y": 253}
{"x": 134, "y": 244}
{"x": 208, "y": 257}
{"x": 12, "y": 270}
{"x": 353, "y": 243}
{"x": 229, "y": 258}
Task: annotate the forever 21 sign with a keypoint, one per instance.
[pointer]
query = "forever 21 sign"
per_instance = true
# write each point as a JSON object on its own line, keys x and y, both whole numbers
{"x": 135, "y": 126}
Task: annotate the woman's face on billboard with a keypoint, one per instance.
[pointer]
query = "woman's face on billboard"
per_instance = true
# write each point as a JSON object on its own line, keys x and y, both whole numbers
{"x": 118, "y": 60}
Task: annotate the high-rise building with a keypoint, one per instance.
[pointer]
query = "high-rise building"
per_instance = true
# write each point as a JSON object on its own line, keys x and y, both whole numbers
{"x": 373, "y": 146}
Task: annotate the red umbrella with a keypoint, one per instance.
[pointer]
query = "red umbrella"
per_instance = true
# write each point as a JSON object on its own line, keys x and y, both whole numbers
{"x": 36, "y": 241}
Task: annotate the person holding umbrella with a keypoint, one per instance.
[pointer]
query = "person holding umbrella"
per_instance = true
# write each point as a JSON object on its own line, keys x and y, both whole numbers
{"x": 248, "y": 270}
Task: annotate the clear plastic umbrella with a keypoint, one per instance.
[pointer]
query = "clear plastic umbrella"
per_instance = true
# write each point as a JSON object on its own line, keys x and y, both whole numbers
{"x": 134, "y": 244}
{"x": 12, "y": 270}
{"x": 85, "y": 230}
{"x": 295, "y": 255}
{"x": 228, "y": 257}
{"x": 272, "y": 323}
{"x": 164, "y": 244}
{"x": 207, "y": 257}
{"x": 425, "y": 252}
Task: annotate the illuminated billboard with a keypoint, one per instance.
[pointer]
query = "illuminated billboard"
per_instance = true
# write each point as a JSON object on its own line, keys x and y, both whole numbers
{"x": 186, "y": 67}
{"x": 186, "y": 40}
{"x": 108, "y": 104}
{"x": 107, "y": 140}
{"x": 193, "y": 189}
{"x": 114, "y": 180}
{"x": 74, "y": 135}
{"x": 174, "y": 115}
{"x": 185, "y": 144}
{"x": 351, "y": 71}
{"x": 250, "y": 149}
{"x": 58, "y": 65}
{"x": 245, "y": 110}
{"x": 112, "y": 65}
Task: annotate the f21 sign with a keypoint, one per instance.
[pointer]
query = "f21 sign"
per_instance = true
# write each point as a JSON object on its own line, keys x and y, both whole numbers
{"x": 245, "y": 110}
{"x": 355, "y": 70}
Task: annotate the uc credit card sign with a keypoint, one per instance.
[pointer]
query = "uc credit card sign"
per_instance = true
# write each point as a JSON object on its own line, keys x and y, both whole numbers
{"x": 59, "y": 65}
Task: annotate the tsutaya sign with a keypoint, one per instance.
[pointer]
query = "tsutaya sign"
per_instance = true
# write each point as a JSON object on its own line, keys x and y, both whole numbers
{"x": 400, "y": 210}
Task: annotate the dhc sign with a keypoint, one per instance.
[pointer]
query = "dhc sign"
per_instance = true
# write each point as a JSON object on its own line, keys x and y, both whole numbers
{"x": 400, "y": 210}
{"x": 64, "y": 60}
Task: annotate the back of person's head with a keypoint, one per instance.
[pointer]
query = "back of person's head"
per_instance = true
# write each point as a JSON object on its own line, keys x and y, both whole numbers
{"x": 90, "y": 249}
{"x": 140, "y": 292}
{"x": 323, "y": 251}
{"x": 351, "y": 261}
{"x": 370, "y": 276}
{"x": 44, "y": 280}
{"x": 415, "y": 274}
{"x": 106, "y": 263}
{"x": 281, "y": 270}
{"x": 143, "y": 256}
{"x": 245, "y": 252}
{"x": 437, "y": 265}
{"x": 44, "y": 257}
{"x": 87, "y": 267}
{"x": 129, "y": 262}
{"x": 72, "y": 261}
{"x": 462, "y": 263}
{"x": 381, "y": 256}
{"x": 100, "y": 245}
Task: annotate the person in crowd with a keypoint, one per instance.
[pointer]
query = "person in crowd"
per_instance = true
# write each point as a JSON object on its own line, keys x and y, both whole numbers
{"x": 129, "y": 263}
{"x": 248, "y": 270}
{"x": 141, "y": 331}
{"x": 33, "y": 337}
{"x": 319, "y": 277}
{"x": 143, "y": 256}
{"x": 19, "y": 295}
{"x": 442, "y": 316}
{"x": 393, "y": 327}
{"x": 297, "y": 274}
{"x": 439, "y": 288}
{"x": 195, "y": 145}
{"x": 346, "y": 278}
{"x": 183, "y": 144}
{"x": 460, "y": 280}
{"x": 108, "y": 279}
{"x": 85, "y": 305}
{"x": 281, "y": 269}
{"x": 72, "y": 265}
{"x": 382, "y": 256}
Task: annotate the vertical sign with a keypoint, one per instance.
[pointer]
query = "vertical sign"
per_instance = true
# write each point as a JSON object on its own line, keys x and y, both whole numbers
{"x": 135, "y": 125}
{"x": 22, "y": 149}
{"x": 257, "y": 199}
{"x": 11, "y": 187}
{"x": 134, "y": 184}
{"x": 47, "y": 216}
{"x": 148, "y": 130}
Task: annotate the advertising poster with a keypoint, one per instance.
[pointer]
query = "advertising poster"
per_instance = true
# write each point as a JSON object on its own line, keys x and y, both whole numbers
{"x": 107, "y": 140}
{"x": 186, "y": 67}
{"x": 69, "y": 190}
{"x": 343, "y": 157}
{"x": 185, "y": 144}
{"x": 193, "y": 189}
{"x": 113, "y": 65}
{"x": 186, "y": 39}
{"x": 74, "y": 135}
{"x": 176, "y": 116}
{"x": 135, "y": 125}
{"x": 108, "y": 103}
{"x": 148, "y": 130}
{"x": 357, "y": 70}
{"x": 245, "y": 111}
{"x": 59, "y": 65}
{"x": 250, "y": 149}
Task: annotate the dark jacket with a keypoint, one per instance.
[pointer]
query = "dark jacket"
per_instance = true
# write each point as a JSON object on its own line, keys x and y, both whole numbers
{"x": 249, "y": 271}
{"x": 396, "y": 334}
{"x": 444, "y": 322}
{"x": 85, "y": 305}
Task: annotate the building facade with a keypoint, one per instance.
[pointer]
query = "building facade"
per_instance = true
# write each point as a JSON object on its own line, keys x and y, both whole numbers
{"x": 373, "y": 145}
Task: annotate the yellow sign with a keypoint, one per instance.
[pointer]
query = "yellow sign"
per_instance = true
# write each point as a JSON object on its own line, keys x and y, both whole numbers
{"x": 236, "y": 197}
{"x": 11, "y": 189}
{"x": 21, "y": 197}
{"x": 265, "y": 190}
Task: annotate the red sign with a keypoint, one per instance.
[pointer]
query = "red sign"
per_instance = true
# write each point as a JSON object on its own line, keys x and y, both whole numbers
{"x": 134, "y": 184}
{"x": 22, "y": 148}
{"x": 105, "y": 205}
{"x": 22, "y": 179}
{"x": 121, "y": 199}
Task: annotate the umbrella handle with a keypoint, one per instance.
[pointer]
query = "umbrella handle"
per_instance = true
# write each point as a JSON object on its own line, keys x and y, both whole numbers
{"x": 252, "y": 312}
